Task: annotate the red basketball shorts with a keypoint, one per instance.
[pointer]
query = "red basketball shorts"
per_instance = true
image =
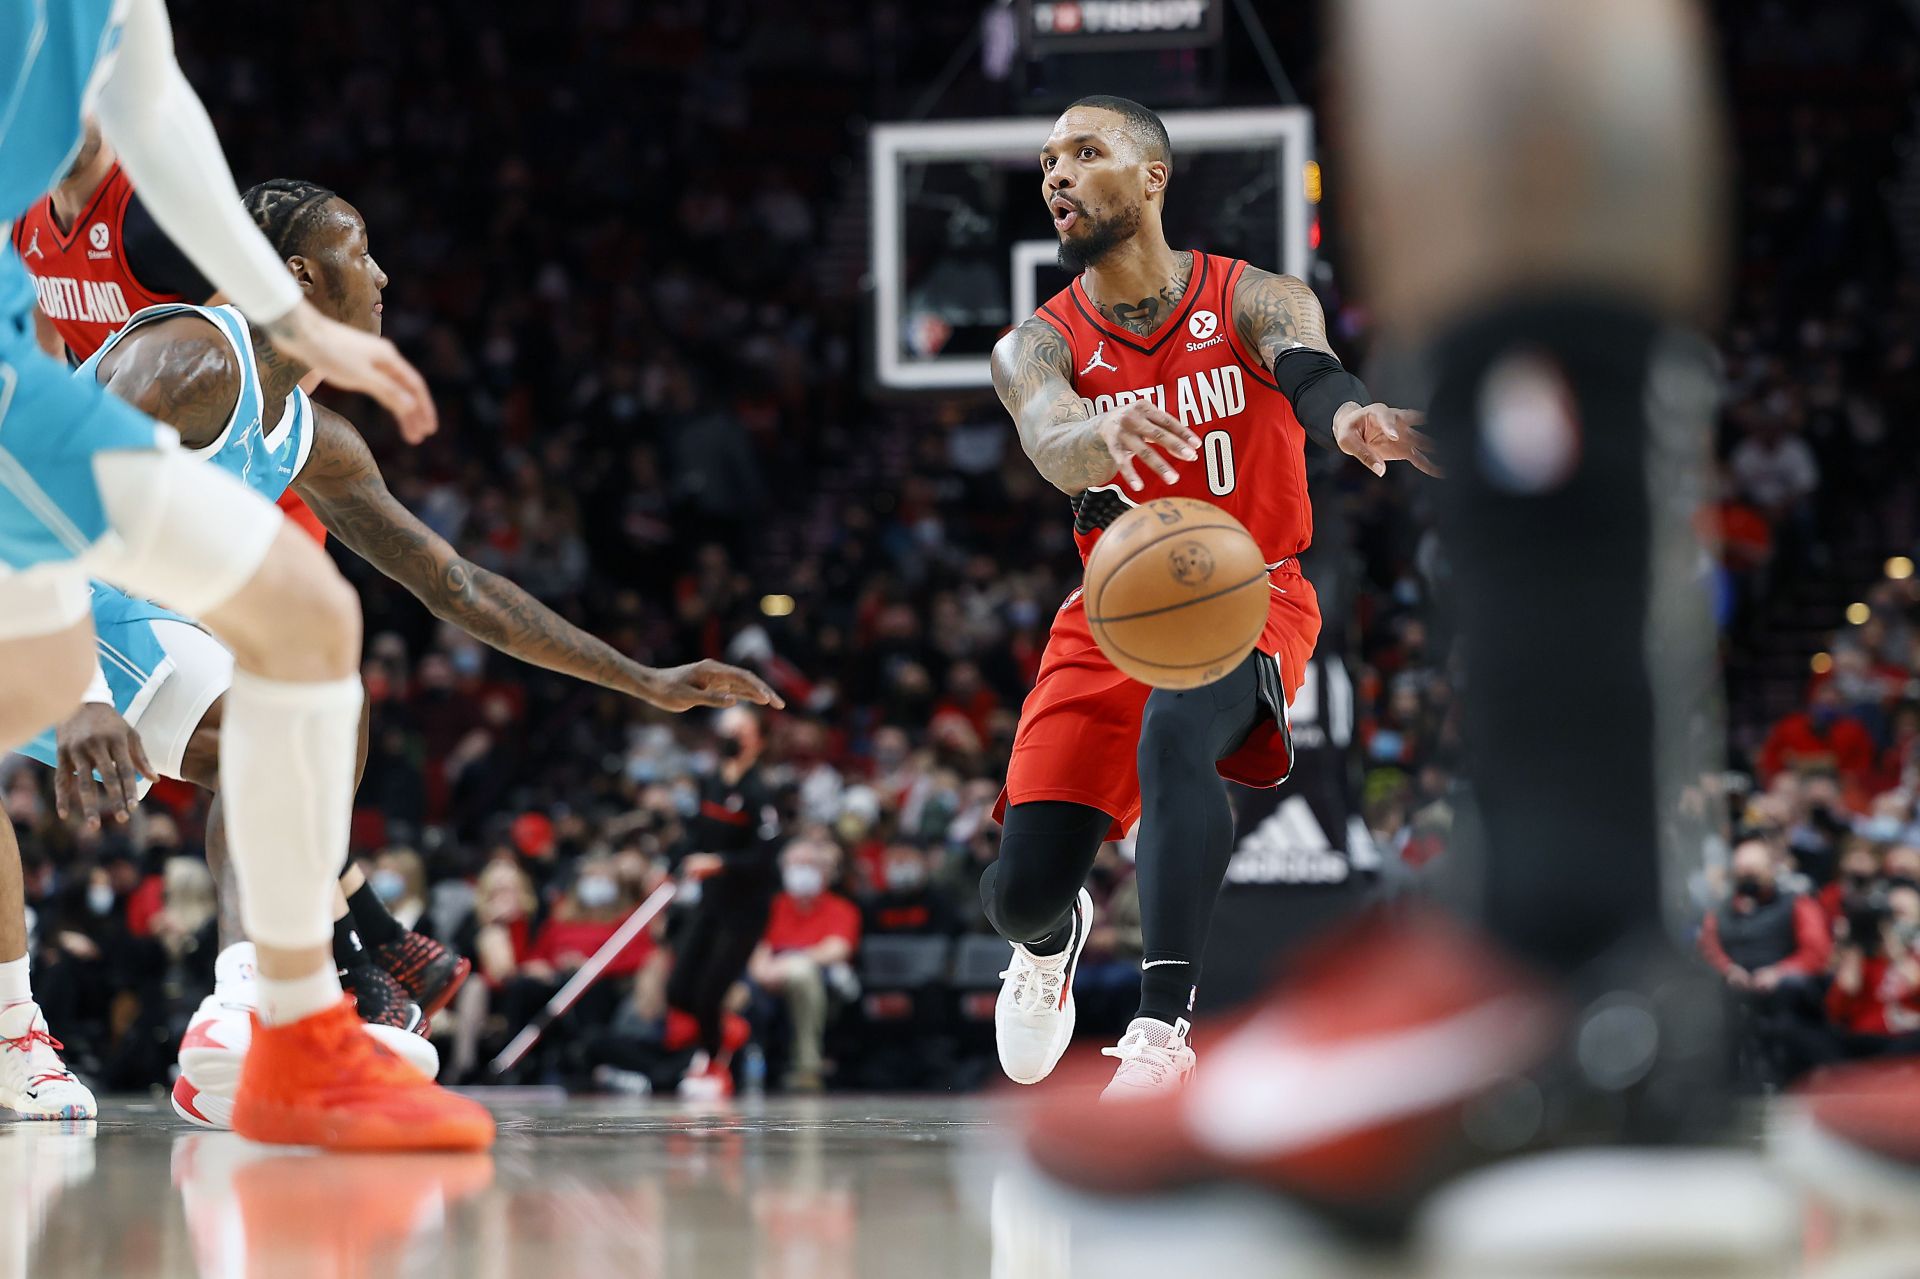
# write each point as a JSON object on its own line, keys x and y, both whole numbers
{"x": 1079, "y": 734}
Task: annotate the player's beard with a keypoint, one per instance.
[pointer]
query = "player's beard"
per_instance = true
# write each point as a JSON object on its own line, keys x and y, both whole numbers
{"x": 1098, "y": 240}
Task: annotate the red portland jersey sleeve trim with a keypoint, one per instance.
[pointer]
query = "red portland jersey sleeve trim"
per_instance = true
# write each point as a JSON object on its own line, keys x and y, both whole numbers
{"x": 1249, "y": 360}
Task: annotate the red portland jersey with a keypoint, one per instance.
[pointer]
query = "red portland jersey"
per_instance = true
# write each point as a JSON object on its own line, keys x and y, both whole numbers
{"x": 1253, "y": 455}
{"x": 81, "y": 273}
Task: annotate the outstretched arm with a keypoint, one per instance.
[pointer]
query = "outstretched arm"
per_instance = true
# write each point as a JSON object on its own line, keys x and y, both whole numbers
{"x": 343, "y": 485}
{"x": 1279, "y": 319}
{"x": 1073, "y": 447}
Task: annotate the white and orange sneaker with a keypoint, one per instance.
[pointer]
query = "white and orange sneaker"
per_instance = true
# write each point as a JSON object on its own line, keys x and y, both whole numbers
{"x": 218, "y": 1036}
{"x": 1154, "y": 1058}
{"x": 34, "y": 1082}
{"x": 323, "y": 1081}
{"x": 1034, "y": 1015}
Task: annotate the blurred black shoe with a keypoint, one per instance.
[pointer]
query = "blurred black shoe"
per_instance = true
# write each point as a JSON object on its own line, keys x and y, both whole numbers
{"x": 382, "y": 1001}
{"x": 429, "y": 972}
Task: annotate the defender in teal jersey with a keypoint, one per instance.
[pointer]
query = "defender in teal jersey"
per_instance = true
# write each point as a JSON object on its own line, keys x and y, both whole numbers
{"x": 89, "y": 487}
{"x": 240, "y": 408}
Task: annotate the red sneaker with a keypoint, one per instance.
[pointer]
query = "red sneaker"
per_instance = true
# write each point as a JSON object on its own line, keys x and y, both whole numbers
{"x": 1345, "y": 1089}
{"x": 321, "y": 1081}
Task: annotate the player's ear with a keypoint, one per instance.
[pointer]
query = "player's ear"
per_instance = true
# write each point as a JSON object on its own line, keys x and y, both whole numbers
{"x": 302, "y": 271}
{"x": 1157, "y": 173}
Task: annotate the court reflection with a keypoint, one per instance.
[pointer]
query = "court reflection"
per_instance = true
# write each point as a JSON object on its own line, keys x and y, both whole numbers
{"x": 814, "y": 1189}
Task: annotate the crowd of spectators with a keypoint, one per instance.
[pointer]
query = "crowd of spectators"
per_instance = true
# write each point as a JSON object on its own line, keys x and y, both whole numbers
{"x": 624, "y": 287}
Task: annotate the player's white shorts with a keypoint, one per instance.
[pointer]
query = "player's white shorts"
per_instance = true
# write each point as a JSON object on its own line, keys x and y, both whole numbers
{"x": 164, "y": 673}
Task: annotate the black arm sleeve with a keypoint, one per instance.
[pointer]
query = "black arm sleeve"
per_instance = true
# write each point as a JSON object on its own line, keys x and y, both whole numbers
{"x": 155, "y": 261}
{"x": 1316, "y": 384}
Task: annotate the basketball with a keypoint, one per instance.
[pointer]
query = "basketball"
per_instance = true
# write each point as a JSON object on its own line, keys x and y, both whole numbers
{"x": 1177, "y": 593}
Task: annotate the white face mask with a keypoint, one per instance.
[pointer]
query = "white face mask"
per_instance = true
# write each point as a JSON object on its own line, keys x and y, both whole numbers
{"x": 597, "y": 891}
{"x": 100, "y": 898}
{"x": 388, "y": 886}
{"x": 803, "y": 881}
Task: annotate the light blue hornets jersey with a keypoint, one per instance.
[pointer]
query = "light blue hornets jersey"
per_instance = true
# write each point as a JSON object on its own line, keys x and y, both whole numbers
{"x": 54, "y": 54}
{"x": 263, "y": 445}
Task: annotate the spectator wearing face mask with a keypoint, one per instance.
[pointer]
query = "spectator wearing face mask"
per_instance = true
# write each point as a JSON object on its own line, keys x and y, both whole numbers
{"x": 496, "y": 935}
{"x": 399, "y": 880}
{"x": 908, "y": 901}
{"x": 1770, "y": 944}
{"x": 584, "y": 920}
{"x": 1859, "y": 869}
{"x": 809, "y": 944}
{"x": 77, "y": 970}
{"x": 1874, "y": 1002}
{"x": 167, "y": 972}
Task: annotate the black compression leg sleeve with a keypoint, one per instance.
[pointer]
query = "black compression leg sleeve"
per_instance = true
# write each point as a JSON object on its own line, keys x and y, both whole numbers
{"x": 1046, "y": 849}
{"x": 1541, "y": 413}
{"x": 1186, "y": 828}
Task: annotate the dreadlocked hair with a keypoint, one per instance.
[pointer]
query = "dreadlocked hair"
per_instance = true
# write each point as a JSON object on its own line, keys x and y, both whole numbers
{"x": 285, "y": 210}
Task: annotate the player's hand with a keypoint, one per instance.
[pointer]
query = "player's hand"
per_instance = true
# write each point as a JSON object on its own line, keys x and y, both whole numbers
{"x": 357, "y": 361}
{"x": 95, "y": 739}
{"x": 708, "y": 683}
{"x": 1377, "y": 434}
{"x": 1140, "y": 431}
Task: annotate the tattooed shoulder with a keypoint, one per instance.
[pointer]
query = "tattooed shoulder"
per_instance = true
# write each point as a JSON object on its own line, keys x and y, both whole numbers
{"x": 1026, "y": 360}
{"x": 1273, "y": 314}
{"x": 180, "y": 371}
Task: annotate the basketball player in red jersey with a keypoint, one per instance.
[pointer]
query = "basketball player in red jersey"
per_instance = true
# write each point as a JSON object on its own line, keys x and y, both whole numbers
{"x": 96, "y": 256}
{"x": 1159, "y": 372}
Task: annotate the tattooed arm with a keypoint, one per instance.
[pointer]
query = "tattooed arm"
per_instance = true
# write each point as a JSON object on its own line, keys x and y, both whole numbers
{"x": 181, "y": 371}
{"x": 343, "y": 485}
{"x": 1073, "y": 447}
{"x": 1277, "y": 315}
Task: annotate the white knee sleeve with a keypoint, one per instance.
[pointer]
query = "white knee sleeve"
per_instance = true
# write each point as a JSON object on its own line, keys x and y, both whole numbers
{"x": 286, "y": 779}
{"x": 184, "y": 533}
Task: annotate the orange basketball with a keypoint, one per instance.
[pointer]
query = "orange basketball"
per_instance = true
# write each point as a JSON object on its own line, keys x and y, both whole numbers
{"x": 1177, "y": 593}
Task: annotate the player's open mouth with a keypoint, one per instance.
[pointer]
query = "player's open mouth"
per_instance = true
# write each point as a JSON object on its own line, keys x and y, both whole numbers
{"x": 1065, "y": 213}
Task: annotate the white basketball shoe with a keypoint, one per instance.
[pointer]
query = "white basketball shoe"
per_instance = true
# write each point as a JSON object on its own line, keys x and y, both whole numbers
{"x": 1154, "y": 1058}
{"x": 1033, "y": 1018}
{"x": 34, "y": 1082}
{"x": 221, "y": 1031}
